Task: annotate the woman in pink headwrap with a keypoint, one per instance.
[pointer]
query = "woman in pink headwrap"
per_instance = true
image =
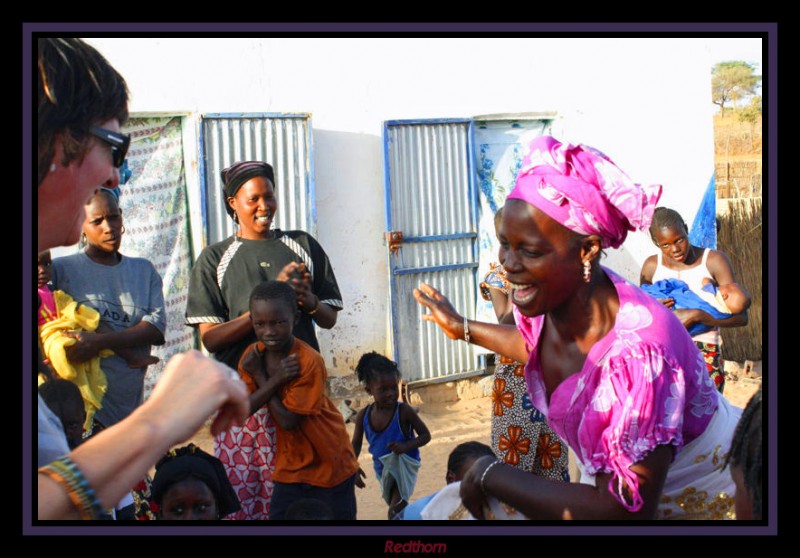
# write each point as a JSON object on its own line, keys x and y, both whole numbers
{"x": 615, "y": 373}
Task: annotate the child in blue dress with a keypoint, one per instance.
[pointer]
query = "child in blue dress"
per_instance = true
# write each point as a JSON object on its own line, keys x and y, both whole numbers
{"x": 390, "y": 427}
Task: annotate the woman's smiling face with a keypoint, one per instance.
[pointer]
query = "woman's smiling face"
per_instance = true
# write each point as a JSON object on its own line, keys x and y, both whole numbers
{"x": 255, "y": 206}
{"x": 541, "y": 257}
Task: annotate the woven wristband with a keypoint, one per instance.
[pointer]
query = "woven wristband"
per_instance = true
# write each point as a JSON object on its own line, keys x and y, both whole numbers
{"x": 466, "y": 329}
{"x": 66, "y": 473}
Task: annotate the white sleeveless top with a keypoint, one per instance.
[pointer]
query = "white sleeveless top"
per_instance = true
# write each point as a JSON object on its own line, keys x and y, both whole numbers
{"x": 694, "y": 278}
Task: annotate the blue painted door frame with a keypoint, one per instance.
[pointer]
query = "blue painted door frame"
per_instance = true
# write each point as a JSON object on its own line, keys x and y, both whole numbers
{"x": 431, "y": 236}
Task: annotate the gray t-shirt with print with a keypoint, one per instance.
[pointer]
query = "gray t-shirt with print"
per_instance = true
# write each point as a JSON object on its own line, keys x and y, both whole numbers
{"x": 124, "y": 294}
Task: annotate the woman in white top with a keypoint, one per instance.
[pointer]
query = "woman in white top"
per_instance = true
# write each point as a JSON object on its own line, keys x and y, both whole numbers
{"x": 679, "y": 259}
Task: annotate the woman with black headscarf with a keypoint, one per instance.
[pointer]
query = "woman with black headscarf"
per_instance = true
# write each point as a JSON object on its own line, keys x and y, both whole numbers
{"x": 222, "y": 279}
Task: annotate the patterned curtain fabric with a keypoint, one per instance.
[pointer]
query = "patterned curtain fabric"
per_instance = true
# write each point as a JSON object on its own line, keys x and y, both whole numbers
{"x": 500, "y": 148}
{"x": 155, "y": 212}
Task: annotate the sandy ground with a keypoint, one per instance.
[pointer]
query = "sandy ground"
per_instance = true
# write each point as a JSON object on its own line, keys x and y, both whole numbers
{"x": 452, "y": 423}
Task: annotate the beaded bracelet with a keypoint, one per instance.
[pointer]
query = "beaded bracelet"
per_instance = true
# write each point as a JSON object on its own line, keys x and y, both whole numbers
{"x": 483, "y": 476}
{"x": 466, "y": 329}
{"x": 66, "y": 473}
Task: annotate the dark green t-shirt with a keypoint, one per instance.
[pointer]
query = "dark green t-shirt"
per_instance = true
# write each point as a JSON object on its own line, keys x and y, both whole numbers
{"x": 225, "y": 274}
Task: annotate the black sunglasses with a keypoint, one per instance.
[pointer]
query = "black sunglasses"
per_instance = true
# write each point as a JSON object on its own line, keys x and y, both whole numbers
{"x": 119, "y": 143}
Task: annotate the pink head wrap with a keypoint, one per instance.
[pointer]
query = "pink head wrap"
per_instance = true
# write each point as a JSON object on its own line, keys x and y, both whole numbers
{"x": 584, "y": 190}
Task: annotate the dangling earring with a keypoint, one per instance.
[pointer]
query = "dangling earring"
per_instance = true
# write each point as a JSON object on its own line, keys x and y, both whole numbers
{"x": 587, "y": 271}
{"x": 52, "y": 167}
{"x": 238, "y": 232}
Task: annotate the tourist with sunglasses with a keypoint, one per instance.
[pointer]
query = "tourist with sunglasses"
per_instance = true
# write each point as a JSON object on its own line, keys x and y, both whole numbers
{"x": 78, "y": 90}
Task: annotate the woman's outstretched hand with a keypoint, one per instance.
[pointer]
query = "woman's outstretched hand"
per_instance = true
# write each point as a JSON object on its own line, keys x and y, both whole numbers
{"x": 442, "y": 312}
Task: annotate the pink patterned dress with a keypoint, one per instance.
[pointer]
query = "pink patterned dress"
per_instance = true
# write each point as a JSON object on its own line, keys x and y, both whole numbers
{"x": 644, "y": 384}
{"x": 248, "y": 454}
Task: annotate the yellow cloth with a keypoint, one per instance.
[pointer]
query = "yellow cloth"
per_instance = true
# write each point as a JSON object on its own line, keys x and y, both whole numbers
{"x": 88, "y": 376}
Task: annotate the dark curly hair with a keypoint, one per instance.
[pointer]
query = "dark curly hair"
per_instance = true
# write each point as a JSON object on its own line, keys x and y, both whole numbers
{"x": 467, "y": 450}
{"x": 58, "y": 394}
{"x": 745, "y": 452}
{"x": 372, "y": 366}
{"x": 274, "y": 290}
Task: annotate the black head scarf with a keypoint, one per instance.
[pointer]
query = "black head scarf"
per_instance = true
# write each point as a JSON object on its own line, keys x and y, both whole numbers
{"x": 238, "y": 173}
{"x": 191, "y": 461}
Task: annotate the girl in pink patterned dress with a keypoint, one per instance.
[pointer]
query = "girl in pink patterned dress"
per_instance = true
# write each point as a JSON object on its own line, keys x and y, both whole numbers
{"x": 248, "y": 453}
{"x": 613, "y": 370}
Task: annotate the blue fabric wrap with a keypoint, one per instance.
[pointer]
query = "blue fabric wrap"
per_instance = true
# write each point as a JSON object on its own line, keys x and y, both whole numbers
{"x": 684, "y": 299}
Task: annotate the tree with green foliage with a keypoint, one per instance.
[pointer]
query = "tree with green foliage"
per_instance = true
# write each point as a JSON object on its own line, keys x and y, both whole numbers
{"x": 752, "y": 112}
{"x": 732, "y": 81}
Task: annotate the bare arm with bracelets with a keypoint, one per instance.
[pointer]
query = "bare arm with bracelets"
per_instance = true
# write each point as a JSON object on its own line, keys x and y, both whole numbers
{"x": 503, "y": 339}
{"x": 193, "y": 387}
{"x": 536, "y": 497}
{"x": 545, "y": 499}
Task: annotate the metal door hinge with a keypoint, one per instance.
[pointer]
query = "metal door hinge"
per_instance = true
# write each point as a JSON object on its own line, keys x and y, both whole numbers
{"x": 393, "y": 240}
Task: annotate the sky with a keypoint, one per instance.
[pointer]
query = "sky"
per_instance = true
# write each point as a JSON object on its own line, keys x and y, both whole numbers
{"x": 723, "y": 50}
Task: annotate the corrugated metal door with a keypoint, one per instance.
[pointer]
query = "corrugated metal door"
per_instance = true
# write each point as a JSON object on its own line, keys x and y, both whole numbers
{"x": 283, "y": 141}
{"x": 431, "y": 216}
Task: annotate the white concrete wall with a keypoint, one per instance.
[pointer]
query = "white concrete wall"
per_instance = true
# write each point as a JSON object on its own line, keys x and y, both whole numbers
{"x": 645, "y": 102}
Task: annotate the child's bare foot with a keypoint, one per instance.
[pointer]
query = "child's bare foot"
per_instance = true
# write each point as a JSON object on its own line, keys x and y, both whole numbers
{"x": 139, "y": 361}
